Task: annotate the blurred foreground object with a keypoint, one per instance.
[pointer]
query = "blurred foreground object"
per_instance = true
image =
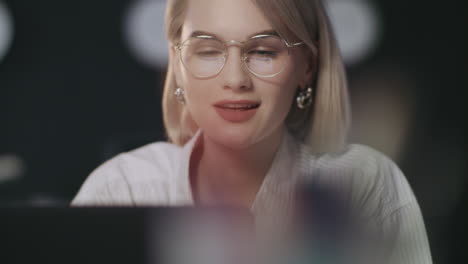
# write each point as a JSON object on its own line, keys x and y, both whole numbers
{"x": 124, "y": 235}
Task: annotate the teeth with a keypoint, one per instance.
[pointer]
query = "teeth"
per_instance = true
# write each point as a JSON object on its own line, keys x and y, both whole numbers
{"x": 239, "y": 106}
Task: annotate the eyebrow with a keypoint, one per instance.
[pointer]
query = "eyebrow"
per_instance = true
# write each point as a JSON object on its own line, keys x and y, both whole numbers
{"x": 198, "y": 33}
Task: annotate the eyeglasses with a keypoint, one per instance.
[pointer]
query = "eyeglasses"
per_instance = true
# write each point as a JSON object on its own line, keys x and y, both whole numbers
{"x": 263, "y": 55}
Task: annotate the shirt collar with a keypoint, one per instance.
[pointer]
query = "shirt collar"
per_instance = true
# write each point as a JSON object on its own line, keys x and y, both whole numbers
{"x": 277, "y": 188}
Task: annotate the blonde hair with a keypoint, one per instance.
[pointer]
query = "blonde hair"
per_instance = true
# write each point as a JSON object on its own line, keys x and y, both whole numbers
{"x": 323, "y": 126}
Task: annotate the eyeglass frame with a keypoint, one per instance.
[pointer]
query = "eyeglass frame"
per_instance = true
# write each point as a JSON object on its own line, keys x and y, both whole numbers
{"x": 228, "y": 43}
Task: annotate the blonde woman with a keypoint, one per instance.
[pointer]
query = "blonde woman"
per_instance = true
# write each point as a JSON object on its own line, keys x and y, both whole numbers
{"x": 256, "y": 103}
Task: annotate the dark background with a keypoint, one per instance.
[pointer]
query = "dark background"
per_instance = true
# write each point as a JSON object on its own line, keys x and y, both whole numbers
{"x": 72, "y": 96}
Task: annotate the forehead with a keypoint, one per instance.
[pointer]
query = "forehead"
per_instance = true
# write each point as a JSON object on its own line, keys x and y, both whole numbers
{"x": 228, "y": 19}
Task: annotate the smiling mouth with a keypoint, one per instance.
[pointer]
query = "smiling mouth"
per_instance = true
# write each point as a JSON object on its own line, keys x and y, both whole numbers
{"x": 237, "y": 111}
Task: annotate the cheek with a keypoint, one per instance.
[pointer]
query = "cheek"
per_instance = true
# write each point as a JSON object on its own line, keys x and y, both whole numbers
{"x": 285, "y": 91}
{"x": 199, "y": 99}
{"x": 282, "y": 101}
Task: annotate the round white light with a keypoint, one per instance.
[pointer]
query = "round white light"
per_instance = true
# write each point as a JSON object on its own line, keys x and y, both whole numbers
{"x": 6, "y": 30}
{"x": 12, "y": 167}
{"x": 144, "y": 30}
{"x": 356, "y": 25}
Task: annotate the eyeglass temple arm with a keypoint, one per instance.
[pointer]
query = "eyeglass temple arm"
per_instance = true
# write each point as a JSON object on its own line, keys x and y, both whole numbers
{"x": 290, "y": 45}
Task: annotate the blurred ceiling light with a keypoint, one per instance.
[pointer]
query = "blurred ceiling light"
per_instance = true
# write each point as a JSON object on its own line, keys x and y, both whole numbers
{"x": 12, "y": 167}
{"x": 357, "y": 27}
{"x": 144, "y": 32}
{"x": 6, "y": 30}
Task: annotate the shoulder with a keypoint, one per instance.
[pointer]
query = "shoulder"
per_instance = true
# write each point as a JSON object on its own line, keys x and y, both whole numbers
{"x": 122, "y": 179}
{"x": 375, "y": 167}
{"x": 371, "y": 178}
{"x": 356, "y": 159}
{"x": 154, "y": 156}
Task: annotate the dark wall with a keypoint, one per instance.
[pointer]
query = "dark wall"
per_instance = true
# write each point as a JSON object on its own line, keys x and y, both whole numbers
{"x": 427, "y": 40}
{"x": 70, "y": 91}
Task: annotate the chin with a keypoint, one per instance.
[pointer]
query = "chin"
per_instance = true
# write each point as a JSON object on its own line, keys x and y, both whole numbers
{"x": 233, "y": 137}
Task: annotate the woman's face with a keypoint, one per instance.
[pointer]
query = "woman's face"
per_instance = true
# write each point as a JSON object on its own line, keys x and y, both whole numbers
{"x": 236, "y": 108}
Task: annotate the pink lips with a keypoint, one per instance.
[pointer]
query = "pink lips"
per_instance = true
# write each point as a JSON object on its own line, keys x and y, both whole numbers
{"x": 236, "y": 111}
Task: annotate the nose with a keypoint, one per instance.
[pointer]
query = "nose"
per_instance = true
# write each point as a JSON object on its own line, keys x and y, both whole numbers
{"x": 234, "y": 74}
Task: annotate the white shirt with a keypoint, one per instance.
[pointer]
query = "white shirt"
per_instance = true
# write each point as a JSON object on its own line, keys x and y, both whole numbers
{"x": 158, "y": 175}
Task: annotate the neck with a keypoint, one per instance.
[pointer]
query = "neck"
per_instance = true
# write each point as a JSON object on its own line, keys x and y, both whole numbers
{"x": 228, "y": 176}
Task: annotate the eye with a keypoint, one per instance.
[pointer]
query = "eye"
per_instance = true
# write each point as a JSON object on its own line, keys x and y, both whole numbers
{"x": 209, "y": 53}
{"x": 262, "y": 54}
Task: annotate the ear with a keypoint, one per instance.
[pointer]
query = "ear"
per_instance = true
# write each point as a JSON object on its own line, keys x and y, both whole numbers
{"x": 310, "y": 69}
{"x": 175, "y": 65}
